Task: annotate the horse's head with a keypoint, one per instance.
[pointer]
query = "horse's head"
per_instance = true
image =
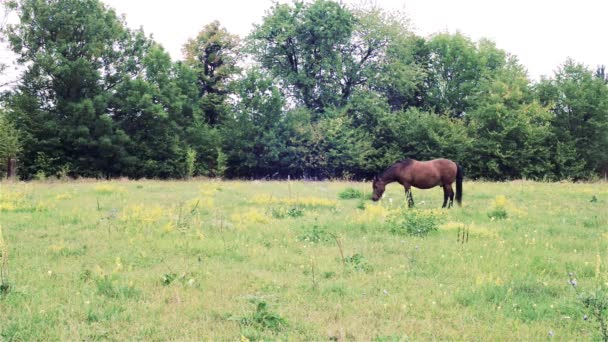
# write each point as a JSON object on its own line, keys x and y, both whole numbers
{"x": 378, "y": 187}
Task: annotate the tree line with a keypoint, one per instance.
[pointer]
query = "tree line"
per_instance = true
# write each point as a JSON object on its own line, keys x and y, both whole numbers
{"x": 316, "y": 90}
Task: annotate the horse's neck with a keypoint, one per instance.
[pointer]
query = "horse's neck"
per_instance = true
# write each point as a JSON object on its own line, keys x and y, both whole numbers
{"x": 388, "y": 178}
{"x": 394, "y": 175}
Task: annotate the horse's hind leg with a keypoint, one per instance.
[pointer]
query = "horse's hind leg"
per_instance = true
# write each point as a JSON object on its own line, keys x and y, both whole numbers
{"x": 445, "y": 196}
{"x": 451, "y": 194}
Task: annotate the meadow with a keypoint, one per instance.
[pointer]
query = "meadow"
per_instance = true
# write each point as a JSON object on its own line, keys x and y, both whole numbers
{"x": 232, "y": 260}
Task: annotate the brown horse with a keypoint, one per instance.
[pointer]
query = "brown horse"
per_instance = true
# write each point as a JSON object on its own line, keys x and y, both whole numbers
{"x": 422, "y": 175}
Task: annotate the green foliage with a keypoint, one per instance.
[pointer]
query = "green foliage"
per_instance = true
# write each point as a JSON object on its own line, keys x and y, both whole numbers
{"x": 168, "y": 278}
{"x": 263, "y": 319}
{"x": 499, "y": 213}
{"x": 413, "y": 222}
{"x": 428, "y": 136}
{"x": 577, "y": 100}
{"x": 322, "y": 51}
{"x": 328, "y": 91}
{"x": 304, "y": 53}
{"x": 456, "y": 66}
{"x": 595, "y": 303}
{"x": 283, "y": 212}
{"x": 212, "y": 55}
{"x": 358, "y": 263}
{"x": 10, "y": 143}
{"x": 315, "y": 235}
{"x": 221, "y": 164}
{"x": 72, "y": 69}
{"x": 511, "y": 130}
{"x": 190, "y": 162}
{"x": 350, "y": 193}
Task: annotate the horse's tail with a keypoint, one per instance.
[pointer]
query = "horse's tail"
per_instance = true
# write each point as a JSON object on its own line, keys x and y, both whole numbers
{"x": 459, "y": 177}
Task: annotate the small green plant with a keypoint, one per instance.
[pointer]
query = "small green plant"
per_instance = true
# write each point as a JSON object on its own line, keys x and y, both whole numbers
{"x": 283, "y": 212}
{"x": 168, "y": 278}
{"x": 498, "y": 213}
{"x": 350, "y": 193}
{"x": 328, "y": 275}
{"x": 413, "y": 222}
{"x": 596, "y": 302}
{"x": 263, "y": 319}
{"x": 358, "y": 263}
{"x": 498, "y": 210}
{"x": 315, "y": 235}
{"x": 361, "y": 205}
{"x": 295, "y": 211}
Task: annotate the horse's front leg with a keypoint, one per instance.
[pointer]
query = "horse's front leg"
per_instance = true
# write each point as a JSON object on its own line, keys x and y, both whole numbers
{"x": 408, "y": 196}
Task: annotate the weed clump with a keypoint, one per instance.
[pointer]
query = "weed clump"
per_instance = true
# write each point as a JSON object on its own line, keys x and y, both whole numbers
{"x": 315, "y": 235}
{"x": 282, "y": 212}
{"x": 358, "y": 263}
{"x": 595, "y": 302}
{"x": 263, "y": 319}
{"x": 350, "y": 193}
{"x": 413, "y": 222}
{"x": 498, "y": 209}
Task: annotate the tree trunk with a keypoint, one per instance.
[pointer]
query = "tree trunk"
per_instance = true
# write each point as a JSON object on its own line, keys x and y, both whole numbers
{"x": 10, "y": 167}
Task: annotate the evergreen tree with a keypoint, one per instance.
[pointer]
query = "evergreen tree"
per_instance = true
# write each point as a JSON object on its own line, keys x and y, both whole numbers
{"x": 76, "y": 53}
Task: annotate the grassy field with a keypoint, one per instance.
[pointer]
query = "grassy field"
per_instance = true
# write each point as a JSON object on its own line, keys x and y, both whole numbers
{"x": 293, "y": 260}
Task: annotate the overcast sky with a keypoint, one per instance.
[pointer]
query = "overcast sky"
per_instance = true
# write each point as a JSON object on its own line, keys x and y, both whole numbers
{"x": 541, "y": 33}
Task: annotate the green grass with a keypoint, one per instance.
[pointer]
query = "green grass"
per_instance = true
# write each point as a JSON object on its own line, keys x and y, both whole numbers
{"x": 211, "y": 260}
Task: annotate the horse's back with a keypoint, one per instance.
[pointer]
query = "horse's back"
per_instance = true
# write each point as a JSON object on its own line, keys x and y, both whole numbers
{"x": 447, "y": 168}
{"x": 440, "y": 171}
{"x": 440, "y": 163}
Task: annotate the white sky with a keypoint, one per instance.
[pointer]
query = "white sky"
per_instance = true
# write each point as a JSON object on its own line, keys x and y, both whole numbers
{"x": 541, "y": 33}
